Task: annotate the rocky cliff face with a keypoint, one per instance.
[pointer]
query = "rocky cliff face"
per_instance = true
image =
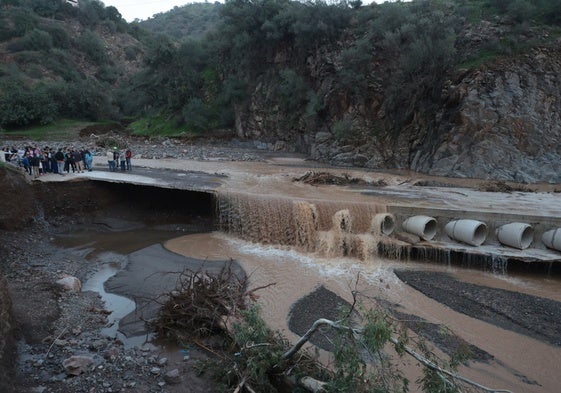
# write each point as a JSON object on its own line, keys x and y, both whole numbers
{"x": 499, "y": 121}
{"x": 18, "y": 209}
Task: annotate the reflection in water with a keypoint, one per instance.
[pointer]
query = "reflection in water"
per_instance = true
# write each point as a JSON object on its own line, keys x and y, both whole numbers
{"x": 107, "y": 250}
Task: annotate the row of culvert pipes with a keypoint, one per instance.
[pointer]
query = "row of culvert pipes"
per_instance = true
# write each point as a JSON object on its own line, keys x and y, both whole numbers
{"x": 473, "y": 232}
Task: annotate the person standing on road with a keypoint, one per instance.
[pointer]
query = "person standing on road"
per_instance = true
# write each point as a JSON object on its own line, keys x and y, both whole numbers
{"x": 77, "y": 157}
{"x": 116, "y": 154}
{"x": 70, "y": 163}
{"x": 25, "y": 161}
{"x": 128, "y": 157}
{"x": 122, "y": 160}
{"x": 35, "y": 162}
{"x": 59, "y": 157}
{"x": 88, "y": 160}
{"x": 111, "y": 159}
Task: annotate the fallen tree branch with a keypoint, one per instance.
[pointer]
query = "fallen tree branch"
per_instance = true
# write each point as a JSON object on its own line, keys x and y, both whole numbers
{"x": 306, "y": 337}
{"x": 436, "y": 368}
{"x": 428, "y": 363}
{"x": 251, "y": 292}
{"x": 54, "y": 341}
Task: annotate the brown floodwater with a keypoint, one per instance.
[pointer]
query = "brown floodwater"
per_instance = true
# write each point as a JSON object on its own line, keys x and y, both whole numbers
{"x": 520, "y": 362}
{"x": 300, "y": 237}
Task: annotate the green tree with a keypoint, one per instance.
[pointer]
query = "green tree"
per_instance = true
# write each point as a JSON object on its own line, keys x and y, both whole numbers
{"x": 92, "y": 47}
{"x": 21, "y": 105}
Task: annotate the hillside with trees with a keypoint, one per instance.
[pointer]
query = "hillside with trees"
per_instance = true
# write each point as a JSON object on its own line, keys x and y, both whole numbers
{"x": 192, "y": 21}
{"x": 57, "y": 60}
{"x": 393, "y": 85}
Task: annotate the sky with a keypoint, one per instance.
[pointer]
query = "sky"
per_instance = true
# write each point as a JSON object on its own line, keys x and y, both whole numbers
{"x": 143, "y": 9}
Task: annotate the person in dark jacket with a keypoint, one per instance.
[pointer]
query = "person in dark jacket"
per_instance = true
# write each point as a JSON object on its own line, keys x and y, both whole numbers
{"x": 59, "y": 157}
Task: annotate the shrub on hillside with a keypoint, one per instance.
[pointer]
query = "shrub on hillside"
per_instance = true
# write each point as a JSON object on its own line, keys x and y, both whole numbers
{"x": 35, "y": 40}
{"x": 92, "y": 47}
{"x": 20, "y": 106}
{"x": 59, "y": 36}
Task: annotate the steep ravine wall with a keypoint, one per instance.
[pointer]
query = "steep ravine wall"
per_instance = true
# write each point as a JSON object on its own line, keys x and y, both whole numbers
{"x": 59, "y": 204}
{"x": 500, "y": 121}
{"x": 506, "y": 123}
{"x": 7, "y": 343}
{"x": 18, "y": 209}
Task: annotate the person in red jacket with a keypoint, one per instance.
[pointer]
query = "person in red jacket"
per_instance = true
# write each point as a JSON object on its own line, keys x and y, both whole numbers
{"x": 128, "y": 156}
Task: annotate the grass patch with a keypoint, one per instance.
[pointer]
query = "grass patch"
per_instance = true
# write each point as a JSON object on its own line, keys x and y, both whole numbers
{"x": 158, "y": 126}
{"x": 482, "y": 58}
{"x": 65, "y": 129}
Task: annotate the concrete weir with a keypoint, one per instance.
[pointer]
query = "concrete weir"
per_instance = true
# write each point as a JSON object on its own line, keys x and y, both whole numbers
{"x": 448, "y": 225}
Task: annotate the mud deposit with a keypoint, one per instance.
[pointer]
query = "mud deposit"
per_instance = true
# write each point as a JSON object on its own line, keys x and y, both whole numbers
{"x": 525, "y": 314}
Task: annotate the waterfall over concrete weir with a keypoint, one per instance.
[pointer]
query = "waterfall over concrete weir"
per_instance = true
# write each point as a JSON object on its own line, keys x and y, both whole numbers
{"x": 328, "y": 228}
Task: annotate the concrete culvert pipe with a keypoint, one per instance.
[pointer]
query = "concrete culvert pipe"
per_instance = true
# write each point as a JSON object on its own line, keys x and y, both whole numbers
{"x": 422, "y": 226}
{"x": 516, "y": 234}
{"x": 552, "y": 239}
{"x": 382, "y": 224}
{"x": 471, "y": 232}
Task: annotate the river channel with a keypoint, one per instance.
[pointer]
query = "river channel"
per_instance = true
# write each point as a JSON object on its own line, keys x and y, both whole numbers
{"x": 299, "y": 238}
{"x": 519, "y": 363}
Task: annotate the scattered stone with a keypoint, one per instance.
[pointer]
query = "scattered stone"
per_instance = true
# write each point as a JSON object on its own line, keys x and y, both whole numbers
{"x": 173, "y": 377}
{"x": 111, "y": 354}
{"x": 162, "y": 361}
{"x": 60, "y": 343}
{"x": 47, "y": 340}
{"x": 98, "y": 344}
{"x": 77, "y": 364}
{"x": 70, "y": 284}
{"x": 155, "y": 370}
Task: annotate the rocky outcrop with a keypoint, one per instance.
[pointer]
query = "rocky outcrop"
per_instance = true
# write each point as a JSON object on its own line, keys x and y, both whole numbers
{"x": 506, "y": 123}
{"x": 499, "y": 121}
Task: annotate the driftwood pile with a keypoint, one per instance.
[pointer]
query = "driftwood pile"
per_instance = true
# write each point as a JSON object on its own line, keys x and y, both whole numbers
{"x": 201, "y": 304}
{"x": 326, "y": 178}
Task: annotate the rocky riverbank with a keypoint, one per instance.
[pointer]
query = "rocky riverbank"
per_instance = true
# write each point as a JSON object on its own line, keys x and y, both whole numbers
{"x": 60, "y": 346}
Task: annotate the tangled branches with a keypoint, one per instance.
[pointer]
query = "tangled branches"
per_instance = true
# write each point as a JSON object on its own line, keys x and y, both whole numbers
{"x": 201, "y": 304}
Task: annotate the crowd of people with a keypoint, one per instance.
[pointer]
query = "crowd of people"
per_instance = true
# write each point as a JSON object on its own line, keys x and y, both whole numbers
{"x": 37, "y": 162}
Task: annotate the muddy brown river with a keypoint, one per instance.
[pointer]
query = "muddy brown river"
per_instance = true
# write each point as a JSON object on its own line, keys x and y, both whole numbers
{"x": 301, "y": 237}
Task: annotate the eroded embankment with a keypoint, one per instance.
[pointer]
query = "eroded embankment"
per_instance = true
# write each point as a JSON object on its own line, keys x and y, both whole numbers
{"x": 32, "y": 308}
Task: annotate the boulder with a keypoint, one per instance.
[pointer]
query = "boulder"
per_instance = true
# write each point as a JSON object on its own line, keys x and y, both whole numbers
{"x": 173, "y": 377}
{"x": 77, "y": 364}
{"x": 70, "y": 284}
